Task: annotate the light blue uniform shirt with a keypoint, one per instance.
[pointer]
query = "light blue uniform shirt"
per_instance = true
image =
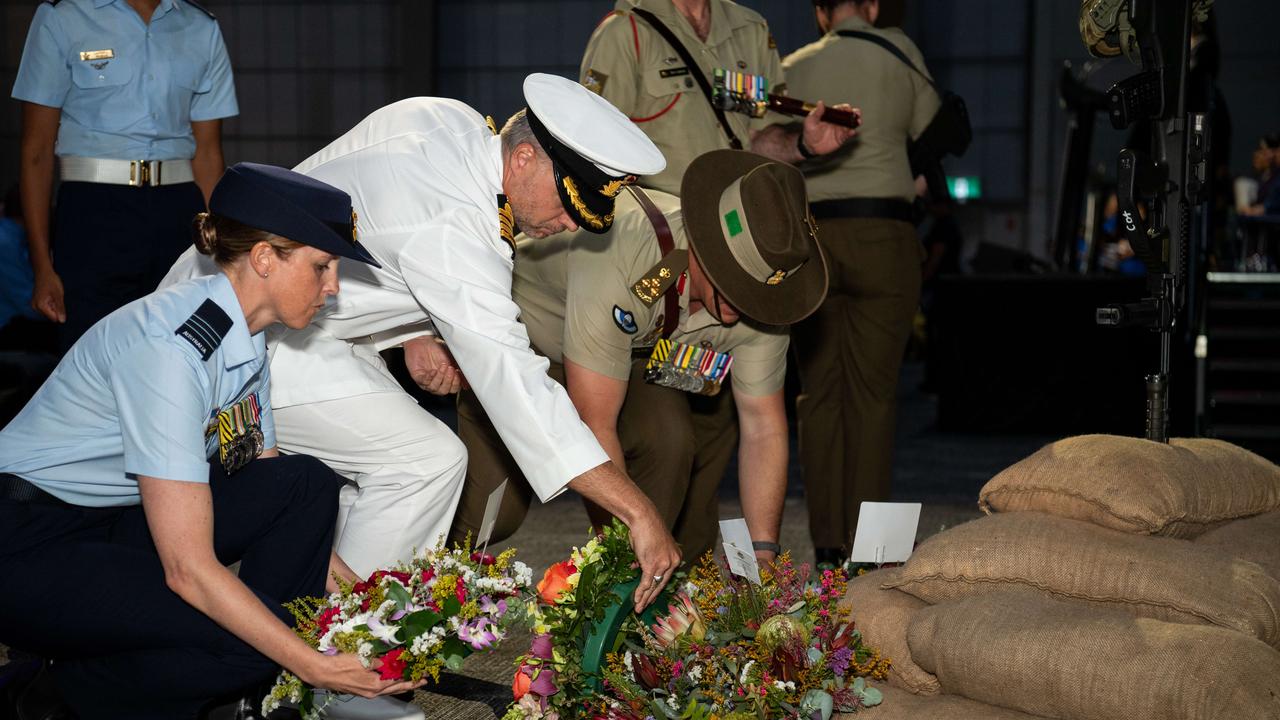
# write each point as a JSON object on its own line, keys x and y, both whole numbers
{"x": 139, "y": 103}
{"x": 136, "y": 395}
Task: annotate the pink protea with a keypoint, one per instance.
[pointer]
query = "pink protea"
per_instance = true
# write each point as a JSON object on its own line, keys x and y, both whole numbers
{"x": 682, "y": 618}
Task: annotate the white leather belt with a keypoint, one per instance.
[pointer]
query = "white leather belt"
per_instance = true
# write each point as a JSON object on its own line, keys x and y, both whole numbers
{"x": 138, "y": 173}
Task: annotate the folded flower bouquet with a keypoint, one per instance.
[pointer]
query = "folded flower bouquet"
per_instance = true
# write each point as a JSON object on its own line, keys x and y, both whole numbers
{"x": 408, "y": 621}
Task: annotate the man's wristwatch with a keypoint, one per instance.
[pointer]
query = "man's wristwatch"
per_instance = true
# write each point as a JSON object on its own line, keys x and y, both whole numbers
{"x": 805, "y": 152}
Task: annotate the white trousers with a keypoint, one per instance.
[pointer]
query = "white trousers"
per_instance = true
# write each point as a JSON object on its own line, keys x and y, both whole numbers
{"x": 405, "y": 470}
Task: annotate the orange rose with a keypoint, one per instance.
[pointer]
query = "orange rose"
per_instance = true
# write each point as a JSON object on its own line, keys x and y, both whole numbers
{"x": 555, "y": 581}
{"x": 520, "y": 685}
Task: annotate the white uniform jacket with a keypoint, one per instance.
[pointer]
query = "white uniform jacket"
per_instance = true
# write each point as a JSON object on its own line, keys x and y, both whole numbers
{"x": 424, "y": 176}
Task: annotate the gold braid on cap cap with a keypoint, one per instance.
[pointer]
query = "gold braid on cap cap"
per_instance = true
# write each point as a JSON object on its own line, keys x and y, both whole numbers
{"x": 613, "y": 187}
{"x": 584, "y": 212}
{"x": 355, "y": 235}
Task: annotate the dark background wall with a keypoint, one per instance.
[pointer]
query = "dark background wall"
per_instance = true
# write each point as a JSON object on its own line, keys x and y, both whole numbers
{"x": 306, "y": 70}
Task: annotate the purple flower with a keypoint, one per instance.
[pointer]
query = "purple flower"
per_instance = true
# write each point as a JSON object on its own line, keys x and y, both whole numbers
{"x": 544, "y": 682}
{"x": 478, "y": 633}
{"x": 542, "y": 646}
{"x": 839, "y": 661}
{"x": 489, "y": 607}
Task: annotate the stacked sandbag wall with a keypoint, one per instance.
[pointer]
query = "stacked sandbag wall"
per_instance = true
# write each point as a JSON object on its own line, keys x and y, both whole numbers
{"x": 1114, "y": 579}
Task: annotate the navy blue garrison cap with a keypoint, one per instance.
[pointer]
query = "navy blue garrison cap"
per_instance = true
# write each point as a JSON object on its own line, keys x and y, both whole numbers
{"x": 291, "y": 205}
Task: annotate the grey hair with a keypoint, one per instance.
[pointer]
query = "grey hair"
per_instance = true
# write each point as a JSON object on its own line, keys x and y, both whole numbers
{"x": 517, "y": 131}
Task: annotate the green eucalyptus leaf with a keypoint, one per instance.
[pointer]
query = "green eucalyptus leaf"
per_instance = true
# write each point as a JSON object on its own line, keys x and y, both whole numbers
{"x": 872, "y": 697}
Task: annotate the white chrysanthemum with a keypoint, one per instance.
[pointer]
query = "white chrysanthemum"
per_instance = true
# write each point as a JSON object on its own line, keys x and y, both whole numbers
{"x": 365, "y": 649}
{"x": 784, "y": 686}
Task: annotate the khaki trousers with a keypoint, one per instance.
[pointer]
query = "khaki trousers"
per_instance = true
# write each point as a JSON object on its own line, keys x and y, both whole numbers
{"x": 676, "y": 447}
{"x": 849, "y": 355}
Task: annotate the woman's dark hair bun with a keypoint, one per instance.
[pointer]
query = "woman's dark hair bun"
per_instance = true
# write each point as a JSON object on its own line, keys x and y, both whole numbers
{"x": 205, "y": 234}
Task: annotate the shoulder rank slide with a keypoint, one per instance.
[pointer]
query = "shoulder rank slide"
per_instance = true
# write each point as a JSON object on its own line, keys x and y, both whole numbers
{"x": 655, "y": 282}
{"x": 699, "y": 370}
{"x": 506, "y": 223}
{"x": 205, "y": 329}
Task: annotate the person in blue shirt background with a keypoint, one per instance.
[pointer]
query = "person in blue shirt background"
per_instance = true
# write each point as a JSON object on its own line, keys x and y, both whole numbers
{"x": 116, "y": 527}
{"x": 130, "y": 96}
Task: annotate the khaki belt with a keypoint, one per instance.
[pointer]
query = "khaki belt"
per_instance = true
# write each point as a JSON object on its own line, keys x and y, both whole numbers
{"x": 137, "y": 173}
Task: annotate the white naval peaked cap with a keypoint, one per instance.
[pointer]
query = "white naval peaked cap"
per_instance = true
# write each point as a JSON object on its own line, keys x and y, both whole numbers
{"x": 590, "y": 126}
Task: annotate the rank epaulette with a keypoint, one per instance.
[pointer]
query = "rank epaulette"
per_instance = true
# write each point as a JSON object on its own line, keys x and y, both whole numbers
{"x": 205, "y": 329}
{"x": 506, "y": 223}
{"x": 202, "y": 9}
{"x": 488, "y": 120}
{"x": 653, "y": 283}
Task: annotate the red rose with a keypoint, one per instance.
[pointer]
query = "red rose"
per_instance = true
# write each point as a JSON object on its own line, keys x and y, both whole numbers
{"x": 555, "y": 581}
{"x": 325, "y": 619}
{"x": 391, "y": 666}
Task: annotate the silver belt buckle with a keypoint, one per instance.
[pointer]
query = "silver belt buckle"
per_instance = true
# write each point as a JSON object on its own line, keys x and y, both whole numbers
{"x": 141, "y": 173}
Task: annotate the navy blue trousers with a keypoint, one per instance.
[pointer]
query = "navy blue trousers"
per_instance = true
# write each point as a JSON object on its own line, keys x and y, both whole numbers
{"x": 112, "y": 244}
{"x": 85, "y": 587}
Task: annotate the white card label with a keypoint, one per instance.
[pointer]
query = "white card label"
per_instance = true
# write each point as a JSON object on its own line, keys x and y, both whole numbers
{"x": 886, "y": 532}
{"x": 490, "y": 515}
{"x": 742, "y": 563}
{"x": 735, "y": 532}
{"x": 738, "y": 550}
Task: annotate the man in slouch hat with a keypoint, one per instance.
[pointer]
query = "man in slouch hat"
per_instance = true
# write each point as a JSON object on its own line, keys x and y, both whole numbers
{"x": 689, "y": 294}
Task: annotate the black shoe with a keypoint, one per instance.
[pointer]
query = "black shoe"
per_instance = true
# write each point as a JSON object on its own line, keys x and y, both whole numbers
{"x": 35, "y": 698}
{"x": 829, "y": 558}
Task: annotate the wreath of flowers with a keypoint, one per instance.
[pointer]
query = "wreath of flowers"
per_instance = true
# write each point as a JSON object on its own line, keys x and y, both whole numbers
{"x": 555, "y": 678}
{"x": 410, "y": 620}
{"x": 722, "y": 649}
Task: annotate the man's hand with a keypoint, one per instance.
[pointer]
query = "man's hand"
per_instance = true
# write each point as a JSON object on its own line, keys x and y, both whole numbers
{"x": 46, "y": 296}
{"x": 822, "y": 137}
{"x": 656, "y": 551}
{"x": 432, "y": 366}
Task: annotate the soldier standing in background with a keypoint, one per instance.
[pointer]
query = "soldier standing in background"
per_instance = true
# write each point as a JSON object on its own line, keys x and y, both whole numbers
{"x": 645, "y": 58}
{"x": 850, "y": 351}
{"x": 130, "y": 97}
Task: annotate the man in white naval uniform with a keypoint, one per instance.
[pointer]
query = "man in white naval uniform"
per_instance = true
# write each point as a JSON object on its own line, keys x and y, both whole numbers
{"x": 427, "y": 177}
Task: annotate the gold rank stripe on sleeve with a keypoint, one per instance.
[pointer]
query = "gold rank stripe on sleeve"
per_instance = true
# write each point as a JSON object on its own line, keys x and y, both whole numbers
{"x": 655, "y": 282}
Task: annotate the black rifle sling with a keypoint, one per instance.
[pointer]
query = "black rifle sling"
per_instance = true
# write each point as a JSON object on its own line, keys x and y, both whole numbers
{"x": 694, "y": 70}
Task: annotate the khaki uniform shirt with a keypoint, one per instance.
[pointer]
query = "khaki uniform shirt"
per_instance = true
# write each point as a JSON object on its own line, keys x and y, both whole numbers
{"x": 633, "y": 67}
{"x": 575, "y": 298}
{"x": 897, "y": 104}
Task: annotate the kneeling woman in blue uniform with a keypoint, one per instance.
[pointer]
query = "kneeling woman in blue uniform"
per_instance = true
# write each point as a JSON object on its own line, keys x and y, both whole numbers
{"x": 115, "y": 530}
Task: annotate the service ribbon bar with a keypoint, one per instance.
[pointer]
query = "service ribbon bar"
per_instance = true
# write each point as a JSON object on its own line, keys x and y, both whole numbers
{"x": 691, "y": 368}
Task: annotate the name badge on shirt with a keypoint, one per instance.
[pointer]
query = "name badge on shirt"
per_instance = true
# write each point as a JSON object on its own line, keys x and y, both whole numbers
{"x": 699, "y": 370}
{"x": 87, "y": 55}
{"x": 239, "y": 430}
